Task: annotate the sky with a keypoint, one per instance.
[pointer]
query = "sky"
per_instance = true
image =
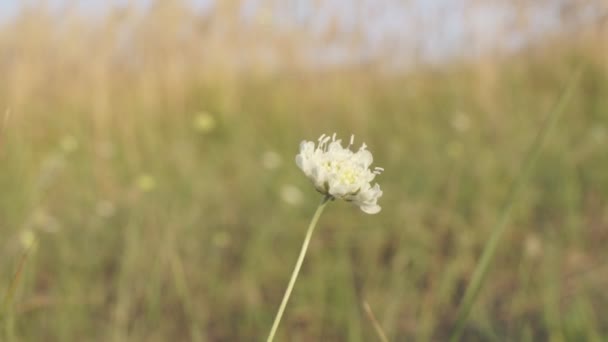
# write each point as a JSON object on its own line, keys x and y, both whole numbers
{"x": 8, "y": 8}
{"x": 440, "y": 26}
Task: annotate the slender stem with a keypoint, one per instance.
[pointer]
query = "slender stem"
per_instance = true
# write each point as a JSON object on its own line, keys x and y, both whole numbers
{"x": 375, "y": 323}
{"x": 296, "y": 270}
{"x": 3, "y": 124}
{"x": 489, "y": 250}
{"x": 10, "y": 292}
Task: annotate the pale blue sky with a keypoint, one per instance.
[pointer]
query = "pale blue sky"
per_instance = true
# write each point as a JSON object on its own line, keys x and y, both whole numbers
{"x": 439, "y": 27}
{"x": 9, "y": 8}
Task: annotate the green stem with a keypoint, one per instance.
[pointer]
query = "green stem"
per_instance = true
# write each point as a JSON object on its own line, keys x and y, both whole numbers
{"x": 296, "y": 270}
{"x": 10, "y": 292}
{"x": 487, "y": 255}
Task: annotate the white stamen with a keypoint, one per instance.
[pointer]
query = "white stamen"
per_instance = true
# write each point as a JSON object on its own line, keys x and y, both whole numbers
{"x": 341, "y": 172}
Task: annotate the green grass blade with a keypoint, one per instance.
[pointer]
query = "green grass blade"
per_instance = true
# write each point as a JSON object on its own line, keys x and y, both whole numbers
{"x": 499, "y": 229}
{"x": 10, "y": 292}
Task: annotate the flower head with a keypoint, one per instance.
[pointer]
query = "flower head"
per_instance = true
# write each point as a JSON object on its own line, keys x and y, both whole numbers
{"x": 146, "y": 183}
{"x": 341, "y": 173}
{"x": 69, "y": 144}
{"x": 28, "y": 239}
{"x": 204, "y": 122}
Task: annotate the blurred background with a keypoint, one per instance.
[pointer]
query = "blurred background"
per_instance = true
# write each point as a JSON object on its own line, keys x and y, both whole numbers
{"x": 147, "y": 165}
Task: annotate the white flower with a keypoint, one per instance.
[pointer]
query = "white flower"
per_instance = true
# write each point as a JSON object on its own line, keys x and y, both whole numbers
{"x": 291, "y": 194}
{"x": 271, "y": 160}
{"x": 341, "y": 173}
{"x": 69, "y": 144}
{"x": 204, "y": 122}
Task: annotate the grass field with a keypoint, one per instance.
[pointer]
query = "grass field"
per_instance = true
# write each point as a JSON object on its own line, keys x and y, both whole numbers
{"x": 161, "y": 201}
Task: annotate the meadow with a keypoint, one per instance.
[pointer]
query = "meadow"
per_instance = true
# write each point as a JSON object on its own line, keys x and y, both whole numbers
{"x": 150, "y": 178}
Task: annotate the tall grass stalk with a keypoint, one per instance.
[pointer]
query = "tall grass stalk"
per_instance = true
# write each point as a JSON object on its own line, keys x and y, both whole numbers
{"x": 296, "y": 270}
{"x": 3, "y": 124}
{"x": 479, "y": 275}
{"x": 10, "y": 292}
{"x": 375, "y": 323}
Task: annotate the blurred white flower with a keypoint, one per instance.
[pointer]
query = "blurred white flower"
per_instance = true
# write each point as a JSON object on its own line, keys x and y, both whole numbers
{"x": 533, "y": 246}
{"x": 146, "y": 183}
{"x": 271, "y": 160}
{"x": 28, "y": 239}
{"x": 461, "y": 122}
{"x": 42, "y": 220}
{"x": 204, "y": 122}
{"x": 341, "y": 173}
{"x": 68, "y": 144}
{"x": 50, "y": 169}
{"x": 105, "y": 209}
{"x": 291, "y": 194}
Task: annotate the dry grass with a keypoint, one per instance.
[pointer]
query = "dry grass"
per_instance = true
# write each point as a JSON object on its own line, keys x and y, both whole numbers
{"x": 152, "y": 227}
